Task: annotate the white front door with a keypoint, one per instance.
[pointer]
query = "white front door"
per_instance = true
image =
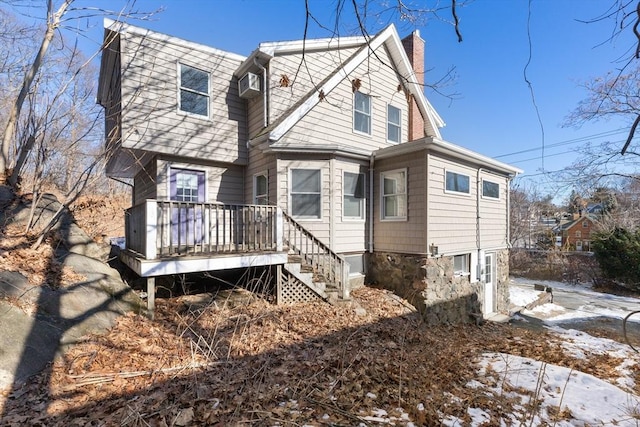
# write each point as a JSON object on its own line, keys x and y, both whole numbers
{"x": 490, "y": 287}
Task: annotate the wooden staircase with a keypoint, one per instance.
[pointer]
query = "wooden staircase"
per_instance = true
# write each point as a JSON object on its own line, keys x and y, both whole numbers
{"x": 313, "y": 270}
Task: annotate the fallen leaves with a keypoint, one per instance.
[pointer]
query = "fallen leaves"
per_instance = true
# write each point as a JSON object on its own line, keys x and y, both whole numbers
{"x": 308, "y": 363}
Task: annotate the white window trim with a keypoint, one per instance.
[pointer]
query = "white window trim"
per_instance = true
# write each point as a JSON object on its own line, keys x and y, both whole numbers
{"x": 353, "y": 115}
{"x": 363, "y": 203}
{"x": 495, "y": 199}
{"x": 462, "y": 273}
{"x": 179, "y": 88}
{"x": 399, "y": 124}
{"x": 290, "y": 187}
{"x": 406, "y": 193}
{"x": 457, "y": 193}
{"x": 255, "y": 186}
{"x": 188, "y": 169}
{"x": 364, "y": 264}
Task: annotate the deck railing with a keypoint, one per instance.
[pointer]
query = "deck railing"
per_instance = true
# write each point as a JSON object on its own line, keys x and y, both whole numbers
{"x": 324, "y": 261}
{"x": 157, "y": 229}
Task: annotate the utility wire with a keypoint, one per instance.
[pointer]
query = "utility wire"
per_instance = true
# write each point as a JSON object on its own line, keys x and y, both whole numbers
{"x": 567, "y": 142}
{"x": 526, "y": 79}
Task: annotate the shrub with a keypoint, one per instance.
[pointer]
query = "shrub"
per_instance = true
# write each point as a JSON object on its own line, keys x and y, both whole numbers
{"x": 618, "y": 254}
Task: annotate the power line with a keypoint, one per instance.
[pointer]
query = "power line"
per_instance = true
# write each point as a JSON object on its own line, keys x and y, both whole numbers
{"x": 567, "y": 142}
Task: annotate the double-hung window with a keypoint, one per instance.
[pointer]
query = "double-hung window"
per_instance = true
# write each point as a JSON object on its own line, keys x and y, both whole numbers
{"x": 457, "y": 182}
{"x": 353, "y": 195}
{"x": 306, "y": 195}
{"x": 362, "y": 113}
{"x": 394, "y": 194}
{"x": 394, "y": 115}
{"x": 490, "y": 189}
{"x": 194, "y": 91}
{"x": 260, "y": 188}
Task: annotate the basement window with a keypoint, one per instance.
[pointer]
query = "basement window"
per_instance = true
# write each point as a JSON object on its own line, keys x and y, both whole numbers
{"x": 461, "y": 265}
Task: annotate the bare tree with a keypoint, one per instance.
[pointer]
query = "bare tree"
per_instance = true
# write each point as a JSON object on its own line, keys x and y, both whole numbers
{"x": 57, "y": 18}
{"x": 54, "y": 19}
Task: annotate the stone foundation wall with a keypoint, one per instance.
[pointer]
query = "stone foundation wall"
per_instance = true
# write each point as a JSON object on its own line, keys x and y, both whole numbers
{"x": 502, "y": 276}
{"x": 430, "y": 285}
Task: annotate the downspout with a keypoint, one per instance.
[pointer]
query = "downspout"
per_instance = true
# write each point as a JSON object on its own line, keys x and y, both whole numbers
{"x": 265, "y": 117}
{"x": 371, "y": 175}
{"x": 478, "y": 240}
{"x": 508, "y": 233}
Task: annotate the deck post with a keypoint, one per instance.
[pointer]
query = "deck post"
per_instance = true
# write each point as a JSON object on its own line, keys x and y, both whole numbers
{"x": 151, "y": 244}
{"x": 151, "y": 297}
{"x": 279, "y": 284}
{"x": 346, "y": 286}
{"x": 279, "y": 228}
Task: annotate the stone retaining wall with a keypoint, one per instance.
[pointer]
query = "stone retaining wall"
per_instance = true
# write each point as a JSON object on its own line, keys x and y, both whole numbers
{"x": 430, "y": 285}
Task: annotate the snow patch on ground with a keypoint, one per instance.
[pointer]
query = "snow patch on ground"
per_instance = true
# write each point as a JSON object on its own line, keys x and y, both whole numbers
{"x": 579, "y": 398}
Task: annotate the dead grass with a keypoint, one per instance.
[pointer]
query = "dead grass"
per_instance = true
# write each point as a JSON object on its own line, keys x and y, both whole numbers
{"x": 101, "y": 216}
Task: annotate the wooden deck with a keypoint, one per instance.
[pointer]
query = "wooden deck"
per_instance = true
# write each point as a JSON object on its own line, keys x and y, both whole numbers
{"x": 168, "y": 237}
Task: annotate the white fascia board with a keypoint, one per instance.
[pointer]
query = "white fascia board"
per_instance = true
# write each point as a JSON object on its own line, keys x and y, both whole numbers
{"x": 154, "y": 268}
{"x": 124, "y": 28}
{"x": 344, "y": 72}
{"x": 464, "y": 154}
{"x": 249, "y": 63}
{"x": 439, "y": 146}
{"x": 288, "y": 47}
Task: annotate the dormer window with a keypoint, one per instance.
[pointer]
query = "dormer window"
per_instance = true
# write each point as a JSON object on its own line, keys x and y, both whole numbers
{"x": 194, "y": 91}
{"x": 362, "y": 113}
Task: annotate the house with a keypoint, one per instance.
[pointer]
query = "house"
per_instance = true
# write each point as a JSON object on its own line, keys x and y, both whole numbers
{"x": 320, "y": 160}
{"x": 575, "y": 235}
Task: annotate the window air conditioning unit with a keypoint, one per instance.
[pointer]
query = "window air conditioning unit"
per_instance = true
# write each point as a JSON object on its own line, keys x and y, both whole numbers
{"x": 249, "y": 86}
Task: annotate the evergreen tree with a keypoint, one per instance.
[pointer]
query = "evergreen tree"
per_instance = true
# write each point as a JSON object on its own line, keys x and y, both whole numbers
{"x": 618, "y": 254}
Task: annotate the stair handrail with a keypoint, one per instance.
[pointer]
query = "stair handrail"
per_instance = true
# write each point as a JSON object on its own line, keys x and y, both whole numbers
{"x": 337, "y": 269}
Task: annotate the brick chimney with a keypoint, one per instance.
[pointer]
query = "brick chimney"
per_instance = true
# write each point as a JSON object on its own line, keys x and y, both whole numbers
{"x": 414, "y": 46}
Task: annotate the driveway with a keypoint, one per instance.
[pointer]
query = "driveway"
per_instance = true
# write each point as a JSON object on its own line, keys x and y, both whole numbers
{"x": 578, "y": 307}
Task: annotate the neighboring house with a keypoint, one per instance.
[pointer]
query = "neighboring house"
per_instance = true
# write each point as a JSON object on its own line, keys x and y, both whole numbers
{"x": 575, "y": 235}
{"x": 326, "y": 149}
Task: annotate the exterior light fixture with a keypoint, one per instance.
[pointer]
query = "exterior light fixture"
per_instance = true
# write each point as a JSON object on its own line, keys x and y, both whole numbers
{"x": 433, "y": 250}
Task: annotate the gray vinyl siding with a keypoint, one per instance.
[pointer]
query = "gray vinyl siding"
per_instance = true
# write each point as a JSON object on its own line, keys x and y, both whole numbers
{"x": 224, "y": 183}
{"x": 151, "y": 120}
{"x": 452, "y": 217}
{"x": 493, "y": 215}
{"x": 319, "y": 227}
{"x": 255, "y": 115}
{"x": 350, "y": 235}
{"x": 410, "y": 235}
{"x": 112, "y": 118}
{"x": 145, "y": 183}
{"x": 303, "y": 76}
{"x": 330, "y": 122}
{"x": 260, "y": 163}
